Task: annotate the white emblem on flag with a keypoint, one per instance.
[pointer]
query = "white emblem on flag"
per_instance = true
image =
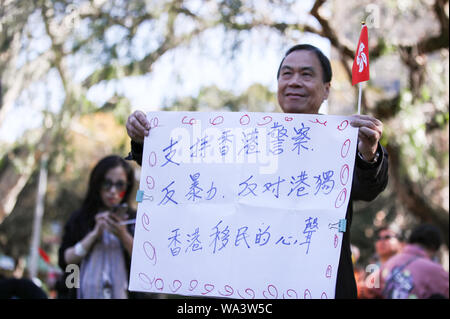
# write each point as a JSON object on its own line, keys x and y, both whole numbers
{"x": 361, "y": 58}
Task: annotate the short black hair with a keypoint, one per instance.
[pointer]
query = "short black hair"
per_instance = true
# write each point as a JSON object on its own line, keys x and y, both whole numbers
{"x": 426, "y": 235}
{"x": 324, "y": 61}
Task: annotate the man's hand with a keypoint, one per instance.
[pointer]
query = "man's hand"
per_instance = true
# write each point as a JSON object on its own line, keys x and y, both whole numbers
{"x": 369, "y": 133}
{"x": 137, "y": 126}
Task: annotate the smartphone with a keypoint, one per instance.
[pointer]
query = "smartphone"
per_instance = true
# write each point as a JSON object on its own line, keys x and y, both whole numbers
{"x": 121, "y": 211}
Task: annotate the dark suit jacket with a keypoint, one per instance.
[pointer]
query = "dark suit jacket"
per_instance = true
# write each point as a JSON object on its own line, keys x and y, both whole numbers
{"x": 369, "y": 180}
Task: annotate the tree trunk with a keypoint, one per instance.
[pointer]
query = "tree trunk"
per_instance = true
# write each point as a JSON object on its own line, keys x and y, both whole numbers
{"x": 15, "y": 170}
{"x": 413, "y": 198}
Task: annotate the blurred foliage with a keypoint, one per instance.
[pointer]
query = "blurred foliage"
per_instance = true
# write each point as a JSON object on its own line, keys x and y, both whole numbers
{"x": 257, "y": 98}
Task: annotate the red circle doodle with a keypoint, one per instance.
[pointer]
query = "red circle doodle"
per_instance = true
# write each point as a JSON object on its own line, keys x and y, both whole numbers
{"x": 145, "y": 221}
{"x": 154, "y": 122}
{"x": 324, "y": 295}
{"x": 288, "y": 118}
{"x": 339, "y": 200}
{"x": 293, "y": 296}
{"x": 343, "y": 125}
{"x": 162, "y": 284}
{"x": 246, "y": 121}
{"x": 273, "y": 295}
{"x": 328, "y": 271}
{"x": 190, "y": 122}
{"x": 143, "y": 277}
{"x": 208, "y": 288}
{"x": 214, "y": 121}
{"x": 150, "y": 252}
{"x": 265, "y": 118}
{"x": 345, "y": 174}
{"x": 175, "y": 289}
{"x": 318, "y": 122}
{"x": 345, "y": 148}
{"x": 228, "y": 289}
{"x": 336, "y": 240}
{"x": 307, "y": 294}
{"x": 191, "y": 288}
{"x": 152, "y": 159}
{"x": 150, "y": 182}
{"x": 247, "y": 291}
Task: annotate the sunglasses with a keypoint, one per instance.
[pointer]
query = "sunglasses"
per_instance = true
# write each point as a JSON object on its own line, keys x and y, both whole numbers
{"x": 107, "y": 184}
{"x": 385, "y": 237}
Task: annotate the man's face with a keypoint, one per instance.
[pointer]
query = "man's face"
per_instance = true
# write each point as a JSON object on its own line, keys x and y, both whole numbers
{"x": 300, "y": 85}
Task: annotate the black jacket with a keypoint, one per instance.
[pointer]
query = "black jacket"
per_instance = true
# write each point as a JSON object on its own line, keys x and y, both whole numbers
{"x": 369, "y": 180}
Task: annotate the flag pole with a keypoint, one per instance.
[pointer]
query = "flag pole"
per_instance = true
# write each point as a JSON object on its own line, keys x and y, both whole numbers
{"x": 359, "y": 97}
{"x": 360, "y": 84}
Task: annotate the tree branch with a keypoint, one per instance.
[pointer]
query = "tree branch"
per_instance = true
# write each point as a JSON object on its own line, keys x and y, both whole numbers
{"x": 27, "y": 74}
{"x": 440, "y": 41}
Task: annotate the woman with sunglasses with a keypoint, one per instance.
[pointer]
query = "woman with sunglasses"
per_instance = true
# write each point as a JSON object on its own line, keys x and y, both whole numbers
{"x": 97, "y": 238}
{"x": 388, "y": 243}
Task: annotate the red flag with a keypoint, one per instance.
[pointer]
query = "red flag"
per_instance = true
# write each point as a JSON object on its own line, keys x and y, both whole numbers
{"x": 360, "y": 69}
